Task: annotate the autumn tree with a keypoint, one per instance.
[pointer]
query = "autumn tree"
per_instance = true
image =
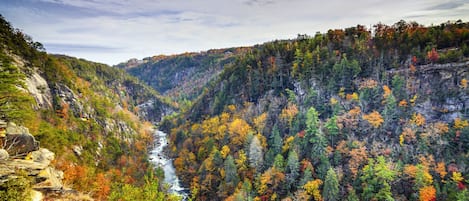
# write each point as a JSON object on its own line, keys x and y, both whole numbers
{"x": 239, "y": 129}
{"x": 374, "y": 118}
{"x": 313, "y": 188}
{"x": 433, "y": 55}
{"x": 427, "y": 193}
{"x": 270, "y": 181}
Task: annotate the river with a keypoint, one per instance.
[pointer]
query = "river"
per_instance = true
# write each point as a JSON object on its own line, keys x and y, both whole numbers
{"x": 160, "y": 159}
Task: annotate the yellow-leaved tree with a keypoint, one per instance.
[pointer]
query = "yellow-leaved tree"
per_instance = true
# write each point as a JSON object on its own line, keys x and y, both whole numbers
{"x": 374, "y": 118}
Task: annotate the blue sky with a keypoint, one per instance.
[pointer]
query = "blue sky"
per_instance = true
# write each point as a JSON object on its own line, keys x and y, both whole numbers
{"x": 113, "y": 31}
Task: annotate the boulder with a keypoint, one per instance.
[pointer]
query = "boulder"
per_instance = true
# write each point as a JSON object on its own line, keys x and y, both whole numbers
{"x": 43, "y": 156}
{"x": 20, "y": 144}
{"x": 4, "y": 155}
{"x": 18, "y": 141}
{"x": 49, "y": 179}
{"x": 13, "y": 129}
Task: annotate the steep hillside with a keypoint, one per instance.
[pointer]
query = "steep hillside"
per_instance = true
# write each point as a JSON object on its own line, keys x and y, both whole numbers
{"x": 181, "y": 76}
{"x": 351, "y": 114}
{"x": 84, "y": 112}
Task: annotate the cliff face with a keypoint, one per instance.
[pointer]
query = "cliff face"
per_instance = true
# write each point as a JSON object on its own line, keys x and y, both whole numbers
{"x": 444, "y": 96}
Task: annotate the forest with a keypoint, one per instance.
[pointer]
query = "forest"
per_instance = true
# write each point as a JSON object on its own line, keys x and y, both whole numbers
{"x": 376, "y": 113}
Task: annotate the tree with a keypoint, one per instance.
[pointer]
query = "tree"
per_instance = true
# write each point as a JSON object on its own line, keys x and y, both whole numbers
{"x": 15, "y": 104}
{"x": 345, "y": 71}
{"x": 314, "y": 134}
{"x": 292, "y": 169}
{"x": 255, "y": 154}
{"x": 332, "y": 128}
{"x": 427, "y": 193}
{"x": 312, "y": 121}
{"x": 312, "y": 188}
{"x": 331, "y": 186}
{"x": 276, "y": 141}
{"x": 279, "y": 162}
{"x": 376, "y": 179}
{"x": 374, "y": 118}
{"x": 231, "y": 173}
{"x": 432, "y": 55}
{"x": 307, "y": 176}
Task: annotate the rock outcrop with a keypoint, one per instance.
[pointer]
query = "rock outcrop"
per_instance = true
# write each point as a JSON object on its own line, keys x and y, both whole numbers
{"x": 21, "y": 156}
{"x": 17, "y": 140}
{"x": 39, "y": 89}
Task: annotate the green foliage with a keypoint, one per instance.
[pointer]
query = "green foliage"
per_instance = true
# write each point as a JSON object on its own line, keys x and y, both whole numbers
{"x": 376, "y": 178}
{"x": 149, "y": 191}
{"x": 292, "y": 169}
{"x": 15, "y": 103}
{"x": 16, "y": 189}
{"x": 231, "y": 173}
{"x": 331, "y": 186}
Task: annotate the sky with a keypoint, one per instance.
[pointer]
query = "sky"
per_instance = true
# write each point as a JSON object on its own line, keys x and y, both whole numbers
{"x": 114, "y": 31}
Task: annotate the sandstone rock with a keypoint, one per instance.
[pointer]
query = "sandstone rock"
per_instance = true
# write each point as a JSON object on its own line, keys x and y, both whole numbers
{"x": 49, "y": 179}
{"x": 45, "y": 177}
{"x": 13, "y": 129}
{"x": 39, "y": 89}
{"x": 42, "y": 156}
{"x": 4, "y": 155}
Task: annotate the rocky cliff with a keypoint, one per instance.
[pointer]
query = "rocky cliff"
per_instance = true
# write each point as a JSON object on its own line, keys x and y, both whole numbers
{"x": 25, "y": 167}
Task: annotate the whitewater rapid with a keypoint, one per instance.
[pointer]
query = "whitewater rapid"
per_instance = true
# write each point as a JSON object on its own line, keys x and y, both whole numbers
{"x": 160, "y": 159}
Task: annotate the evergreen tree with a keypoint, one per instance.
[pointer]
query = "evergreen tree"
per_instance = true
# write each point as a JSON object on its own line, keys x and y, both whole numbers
{"x": 307, "y": 176}
{"x": 279, "y": 162}
{"x": 332, "y": 128}
{"x": 276, "y": 140}
{"x": 15, "y": 104}
{"x": 376, "y": 179}
{"x": 331, "y": 186}
{"x": 231, "y": 173}
{"x": 255, "y": 154}
{"x": 292, "y": 169}
{"x": 314, "y": 134}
